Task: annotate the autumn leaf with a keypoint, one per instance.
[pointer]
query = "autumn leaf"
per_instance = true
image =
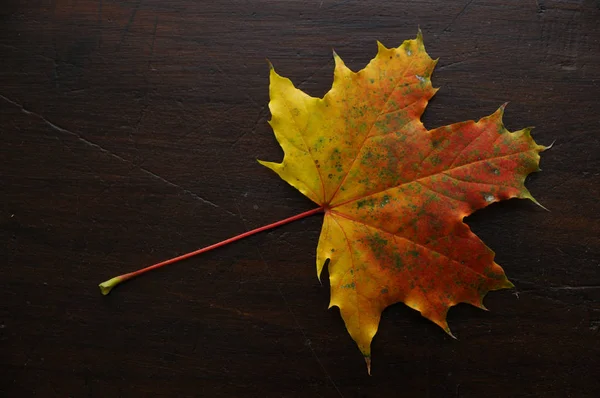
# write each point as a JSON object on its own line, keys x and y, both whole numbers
{"x": 395, "y": 194}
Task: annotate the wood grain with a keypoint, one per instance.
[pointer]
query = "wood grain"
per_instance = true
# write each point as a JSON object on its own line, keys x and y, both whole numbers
{"x": 130, "y": 134}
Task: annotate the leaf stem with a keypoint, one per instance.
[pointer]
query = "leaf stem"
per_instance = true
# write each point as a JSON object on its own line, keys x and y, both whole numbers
{"x": 107, "y": 286}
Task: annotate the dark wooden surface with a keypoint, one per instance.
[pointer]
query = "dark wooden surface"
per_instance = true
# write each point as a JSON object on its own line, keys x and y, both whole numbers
{"x": 130, "y": 133}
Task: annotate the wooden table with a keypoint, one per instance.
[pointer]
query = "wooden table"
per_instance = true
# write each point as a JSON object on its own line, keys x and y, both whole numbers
{"x": 130, "y": 134}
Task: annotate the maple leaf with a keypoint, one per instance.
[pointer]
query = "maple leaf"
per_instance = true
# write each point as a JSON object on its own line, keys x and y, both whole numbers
{"x": 395, "y": 194}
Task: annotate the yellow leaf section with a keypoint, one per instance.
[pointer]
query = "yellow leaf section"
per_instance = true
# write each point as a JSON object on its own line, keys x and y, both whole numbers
{"x": 321, "y": 137}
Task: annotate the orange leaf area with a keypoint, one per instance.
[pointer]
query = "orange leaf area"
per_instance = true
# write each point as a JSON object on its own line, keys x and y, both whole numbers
{"x": 394, "y": 193}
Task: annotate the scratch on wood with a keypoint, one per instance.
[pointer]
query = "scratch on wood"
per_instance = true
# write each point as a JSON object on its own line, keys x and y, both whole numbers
{"x": 62, "y": 130}
{"x": 314, "y": 73}
{"x": 261, "y": 116}
{"x": 56, "y": 62}
{"x": 153, "y": 41}
{"x": 574, "y": 287}
{"x": 128, "y": 25}
{"x": 461, "y": 12}
{"x": 99, "y": 43}
{"x": 187, "y": 191}
{"x": 106, "y": 151}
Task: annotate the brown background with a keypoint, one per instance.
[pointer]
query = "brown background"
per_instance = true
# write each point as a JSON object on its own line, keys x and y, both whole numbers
{"x": 130, "y": 133}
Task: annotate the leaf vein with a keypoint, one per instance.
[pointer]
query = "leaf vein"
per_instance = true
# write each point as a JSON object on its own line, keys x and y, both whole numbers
{"x": 406, "y": 239}
{"x": 428, "y": 176}
{"x": 371, "y": 128}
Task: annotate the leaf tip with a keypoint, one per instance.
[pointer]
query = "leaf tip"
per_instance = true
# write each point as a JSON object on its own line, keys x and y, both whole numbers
{"x": 338, "y": 61}
{"x": 448, "y": 331}
{"x": 320, "y": 267}
{"x": 549, "y": 146}
{"x": 271, "y": 67}
{"x": 270, "y": 165}
{"x": 501, "y": 109}
{"x": 380, "y": 47}
{"x": 441, "y": 322}
{"x": 368, "y": 361}
{"x": 528, "y": 195}
{"x": 539, "y": 204}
